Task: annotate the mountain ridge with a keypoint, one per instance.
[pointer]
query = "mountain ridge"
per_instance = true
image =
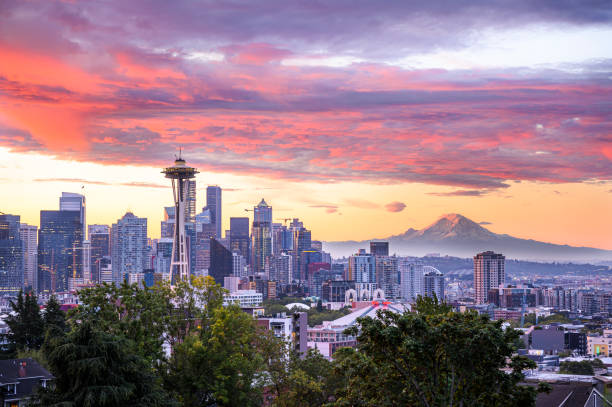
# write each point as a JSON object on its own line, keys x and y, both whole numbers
{"x": 456, "y": 235}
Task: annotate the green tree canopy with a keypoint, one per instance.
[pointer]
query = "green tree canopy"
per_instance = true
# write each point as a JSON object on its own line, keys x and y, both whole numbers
{"x": 434, "y": 357}
{"x": 97, "y": 369}
{"x": 219, "y": 362}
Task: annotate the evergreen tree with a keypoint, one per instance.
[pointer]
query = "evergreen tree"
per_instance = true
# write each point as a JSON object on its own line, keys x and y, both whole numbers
{"x": 26, "y": 326}
{"x": 54, "y": 318}
{"x": 97, "y": 369}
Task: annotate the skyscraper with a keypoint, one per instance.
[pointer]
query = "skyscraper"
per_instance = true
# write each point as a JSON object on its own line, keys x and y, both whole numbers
{"x": 411, "y": 279}
{"x": 11, "y": 256}
{"x": 29, "y": 239}
{"x": 99, "y": 239}
{"x": 163, "y": 257}
{"x": 204, "y": 230}
{"x": 379, "y": 248}
{"x": 213, "y": 202}
{"x": 433, "y": 283}
{"x": 301, "y": 242}
{"x": 262, "y": 236}
{"x": 129, "y": 246}
{"x": 362, "y": 268}
{"x": 239, "y": 237}
{"x": 387, "y": 275}
{"x": 60, "y": 240}
{"x": 167, "y": 225}
{"x": 190, "y": 202}
{"x": 489, "y": 272}
{"x": 221, "y": 261}
{"x": 69, "y": 201}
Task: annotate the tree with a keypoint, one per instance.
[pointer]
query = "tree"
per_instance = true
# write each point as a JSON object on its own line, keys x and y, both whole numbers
{"x": 26, "y": 327}
{"x": 218, "y": 363}
{"x": 54, "y": 318}
{"x": 141, "y": 315}
{"x": 97, "y": 369}
{"x": 433, "y": 357}
{"x": 310, "y": 382}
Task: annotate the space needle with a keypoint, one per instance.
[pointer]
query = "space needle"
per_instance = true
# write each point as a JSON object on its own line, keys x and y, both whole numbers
{"x": 179, "y": 173}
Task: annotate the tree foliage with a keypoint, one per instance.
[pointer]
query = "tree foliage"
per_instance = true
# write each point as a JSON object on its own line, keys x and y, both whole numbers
{"x": 433, "y": 357}
{"x": 584, "y": 367}
{"x": 97, "y": 369}
{"x": 310, "y": 381}
{"x": 219, "y": 364}
{"x": 26, "y": 326}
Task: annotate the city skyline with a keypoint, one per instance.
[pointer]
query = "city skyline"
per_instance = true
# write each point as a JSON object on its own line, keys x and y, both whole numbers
{"x": 363, "y": 121}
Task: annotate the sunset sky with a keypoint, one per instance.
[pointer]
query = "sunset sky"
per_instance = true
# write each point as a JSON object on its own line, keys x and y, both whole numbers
{"x": 362, "y": 118}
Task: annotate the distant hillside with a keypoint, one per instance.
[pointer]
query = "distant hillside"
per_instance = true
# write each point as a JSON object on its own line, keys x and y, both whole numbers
{"x": 456, "y": 235}
{"x": 463, "y": 268}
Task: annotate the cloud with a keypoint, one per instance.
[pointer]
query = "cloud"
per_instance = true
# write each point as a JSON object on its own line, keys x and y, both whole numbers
{"x": 94, "y": 182}
{"x": 460, "y": 192}
{"x": 395, "y": 206}
{"x": 328, "y": 208}
{"x": 117, "y": 92}
{"x": 485, "y": 223}
{"x": 75, "y": 180}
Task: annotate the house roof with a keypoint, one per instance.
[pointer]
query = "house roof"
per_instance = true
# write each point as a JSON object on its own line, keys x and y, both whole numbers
{"x": 14, "y": 370}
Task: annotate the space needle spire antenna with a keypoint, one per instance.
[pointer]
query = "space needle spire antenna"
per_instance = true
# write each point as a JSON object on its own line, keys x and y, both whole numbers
{"x": 180, "y": 174}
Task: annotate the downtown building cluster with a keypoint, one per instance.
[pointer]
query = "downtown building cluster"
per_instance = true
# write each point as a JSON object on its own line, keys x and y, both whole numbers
{"x": 261, "y": 255}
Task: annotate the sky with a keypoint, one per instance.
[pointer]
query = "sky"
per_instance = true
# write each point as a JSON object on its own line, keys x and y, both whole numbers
{"x": 361, "y": 118}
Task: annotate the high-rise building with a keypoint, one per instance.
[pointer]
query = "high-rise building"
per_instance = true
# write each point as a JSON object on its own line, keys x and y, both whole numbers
{"x": 69, "y": 201}
{"x": 11, "y": 256}
{"x": 163, "y": 257}
{"x": 87, "y": 275}
{"x": 204, "y": 230}
{"x": 379, "y": 248}
{"x": 99, "y": 239}
{"x": 489, "y": 272}
{"x": 60, "y": 242}
{"x": 29, "y": 239}
{"x": 128, "y": 246}
{"x": 261, "y": 236}
{"x": 362, "y": 268}
{"x": 105, "y": 270}
{"x": 213, "y": 202}
{"x": 281, "y": 269}
{"x": 302, "y": 241}
{"x": 190, "y": 202}
{"x": 317, "y": 245}
{"x": 167, "y": 225}
{"x": 239, "y": 237}
{"x": 387, "y": 275}
{"x": 433, "y": 283}
{"x": 221, "y": 261}
{"x": 411, "y": 279}
{"x": 180, "y": 174}
{"x": 239, "y": 266}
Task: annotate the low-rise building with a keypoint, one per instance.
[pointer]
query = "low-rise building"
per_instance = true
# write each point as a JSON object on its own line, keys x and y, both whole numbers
{"x": 600, "y": 345}
{"x": 329, "y": 336}
{"x": 293, "y": 328}
{"x": 244, "y": 298}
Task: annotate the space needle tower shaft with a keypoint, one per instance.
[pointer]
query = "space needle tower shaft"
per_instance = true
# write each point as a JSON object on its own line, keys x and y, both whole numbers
{"x": 180, "y": 174}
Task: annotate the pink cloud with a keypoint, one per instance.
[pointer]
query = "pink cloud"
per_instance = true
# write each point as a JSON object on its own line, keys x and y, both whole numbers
{"x": 79, "y": 91}
{"x": 395, "y": 206}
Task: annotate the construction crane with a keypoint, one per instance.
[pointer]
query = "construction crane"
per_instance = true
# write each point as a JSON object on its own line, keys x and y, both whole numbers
{"x": 285, "y": 220}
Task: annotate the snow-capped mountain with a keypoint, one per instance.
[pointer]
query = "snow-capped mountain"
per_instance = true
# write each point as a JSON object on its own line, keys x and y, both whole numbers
{"x": 456, "y": 235}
